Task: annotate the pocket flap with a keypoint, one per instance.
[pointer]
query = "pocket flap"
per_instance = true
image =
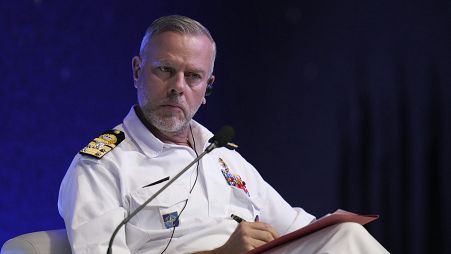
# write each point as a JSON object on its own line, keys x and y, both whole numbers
{"x": 172, "y": 195}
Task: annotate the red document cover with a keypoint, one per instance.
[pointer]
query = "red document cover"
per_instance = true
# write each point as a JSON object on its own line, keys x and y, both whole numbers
{"x": 338, "y": 216}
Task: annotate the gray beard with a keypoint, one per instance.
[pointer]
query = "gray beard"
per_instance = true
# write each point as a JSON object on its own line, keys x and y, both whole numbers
{"x": 170, "y": 124}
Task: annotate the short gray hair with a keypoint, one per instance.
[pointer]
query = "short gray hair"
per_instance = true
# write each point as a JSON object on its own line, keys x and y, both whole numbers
{"x": 175, "y": 23}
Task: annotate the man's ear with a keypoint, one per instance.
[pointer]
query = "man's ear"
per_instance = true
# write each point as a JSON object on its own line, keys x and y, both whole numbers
{"x": 209, "y": 88}
{"x": 211, "y": 80}
{"x": 136, "y": 68}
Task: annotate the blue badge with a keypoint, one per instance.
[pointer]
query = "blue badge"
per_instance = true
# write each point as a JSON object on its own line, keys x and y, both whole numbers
{"x": 171, "y": 219}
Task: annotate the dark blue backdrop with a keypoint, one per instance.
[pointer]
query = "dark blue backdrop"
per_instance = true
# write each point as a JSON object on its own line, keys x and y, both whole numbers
{"x": 339, "y": 105}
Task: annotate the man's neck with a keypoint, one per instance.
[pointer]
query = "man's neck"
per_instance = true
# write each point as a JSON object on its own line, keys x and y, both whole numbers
{"x": 179, "y": 137}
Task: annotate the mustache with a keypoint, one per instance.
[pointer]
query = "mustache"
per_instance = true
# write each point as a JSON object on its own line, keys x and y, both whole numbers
{"x": 173, "y": 98}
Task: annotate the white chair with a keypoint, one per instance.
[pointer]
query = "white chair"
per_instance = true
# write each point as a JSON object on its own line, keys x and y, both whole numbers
{"x": 42, "y": 242}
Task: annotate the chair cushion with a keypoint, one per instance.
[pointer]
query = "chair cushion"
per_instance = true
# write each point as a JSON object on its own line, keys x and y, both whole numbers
{"x": 49, "y": 242}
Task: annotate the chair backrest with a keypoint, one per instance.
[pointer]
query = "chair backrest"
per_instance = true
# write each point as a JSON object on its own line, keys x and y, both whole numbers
{"x": 48, "y": 242}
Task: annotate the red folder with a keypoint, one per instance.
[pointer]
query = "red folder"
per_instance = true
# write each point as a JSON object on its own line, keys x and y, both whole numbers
{"x": 337, "y": 217}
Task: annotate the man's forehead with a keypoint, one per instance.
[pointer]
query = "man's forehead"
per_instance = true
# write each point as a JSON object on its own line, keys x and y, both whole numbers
{"x": 191, "y": 66}
{"x": 170, "y": 39}
{"x": 171, "y": 48}
{"x": 180, "y": 34}
{"x": 169, "y": 36}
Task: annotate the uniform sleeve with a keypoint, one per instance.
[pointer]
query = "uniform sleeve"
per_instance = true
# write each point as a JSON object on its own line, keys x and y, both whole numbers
{"x": 91, "y": 205}
{"x": 274, "y": 209}
{"x": 281, "y": 215}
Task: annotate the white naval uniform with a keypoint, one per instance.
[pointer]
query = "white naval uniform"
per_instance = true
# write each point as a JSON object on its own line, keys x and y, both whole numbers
{"x": 97, "y": 194}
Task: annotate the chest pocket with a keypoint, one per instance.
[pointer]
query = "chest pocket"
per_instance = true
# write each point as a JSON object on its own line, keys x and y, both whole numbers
{"x": 169, "y": 203}
{"x": 242, "y": 205}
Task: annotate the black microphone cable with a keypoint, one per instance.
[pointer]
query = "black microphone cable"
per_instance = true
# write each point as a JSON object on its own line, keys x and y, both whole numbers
{"x": 220, "y": 139}
{"x": 191, "y": 190}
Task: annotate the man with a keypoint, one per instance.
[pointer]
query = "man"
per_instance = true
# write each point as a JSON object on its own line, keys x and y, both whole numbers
{"x": 122, "y": 168}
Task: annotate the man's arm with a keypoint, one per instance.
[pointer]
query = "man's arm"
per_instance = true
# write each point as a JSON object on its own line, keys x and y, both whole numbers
{"x": 90, "y": 205}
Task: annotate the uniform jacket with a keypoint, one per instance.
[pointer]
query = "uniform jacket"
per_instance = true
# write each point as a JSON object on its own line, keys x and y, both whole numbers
{"x": 97, "y": 194}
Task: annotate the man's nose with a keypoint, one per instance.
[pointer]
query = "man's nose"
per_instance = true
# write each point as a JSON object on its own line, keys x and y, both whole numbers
{"x": 177, "y": 83}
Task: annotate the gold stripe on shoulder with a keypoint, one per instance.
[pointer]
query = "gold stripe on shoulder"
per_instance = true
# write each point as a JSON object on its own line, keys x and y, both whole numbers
{"x": 104, "y": 143}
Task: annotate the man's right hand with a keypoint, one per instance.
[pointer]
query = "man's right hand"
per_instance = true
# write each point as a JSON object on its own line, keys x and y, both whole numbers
{"x": 247, "y": 236}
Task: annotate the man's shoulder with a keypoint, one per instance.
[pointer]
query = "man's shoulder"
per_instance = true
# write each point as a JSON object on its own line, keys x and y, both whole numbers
{"x": 103, "y": 144}
{"x": 110, "y": 146}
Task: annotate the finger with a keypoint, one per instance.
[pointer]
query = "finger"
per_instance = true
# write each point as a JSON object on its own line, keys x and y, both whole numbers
{"x": 261, "y": 231}
{"x": 256, "y": 243}
{"x": 263, "y": 235}
{"x": 264, "y": 227}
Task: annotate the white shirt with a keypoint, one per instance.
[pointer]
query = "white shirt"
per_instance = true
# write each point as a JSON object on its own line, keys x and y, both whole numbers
{"x": 97, "y": 194}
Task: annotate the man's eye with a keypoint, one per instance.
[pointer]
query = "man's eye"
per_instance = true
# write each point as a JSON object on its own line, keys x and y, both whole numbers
{"x": 193, "y": 76}
{"x": 164, "y": 69}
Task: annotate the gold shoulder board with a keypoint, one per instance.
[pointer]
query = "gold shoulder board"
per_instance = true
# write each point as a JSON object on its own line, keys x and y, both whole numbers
{"x": 103, "y": 143}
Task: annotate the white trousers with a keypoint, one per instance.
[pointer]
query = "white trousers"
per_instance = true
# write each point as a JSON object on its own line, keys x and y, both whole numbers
{"x": 343, "y": 238}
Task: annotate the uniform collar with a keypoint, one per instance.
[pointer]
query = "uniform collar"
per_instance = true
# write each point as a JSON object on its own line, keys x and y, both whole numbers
{"x": 151, "y": 145}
